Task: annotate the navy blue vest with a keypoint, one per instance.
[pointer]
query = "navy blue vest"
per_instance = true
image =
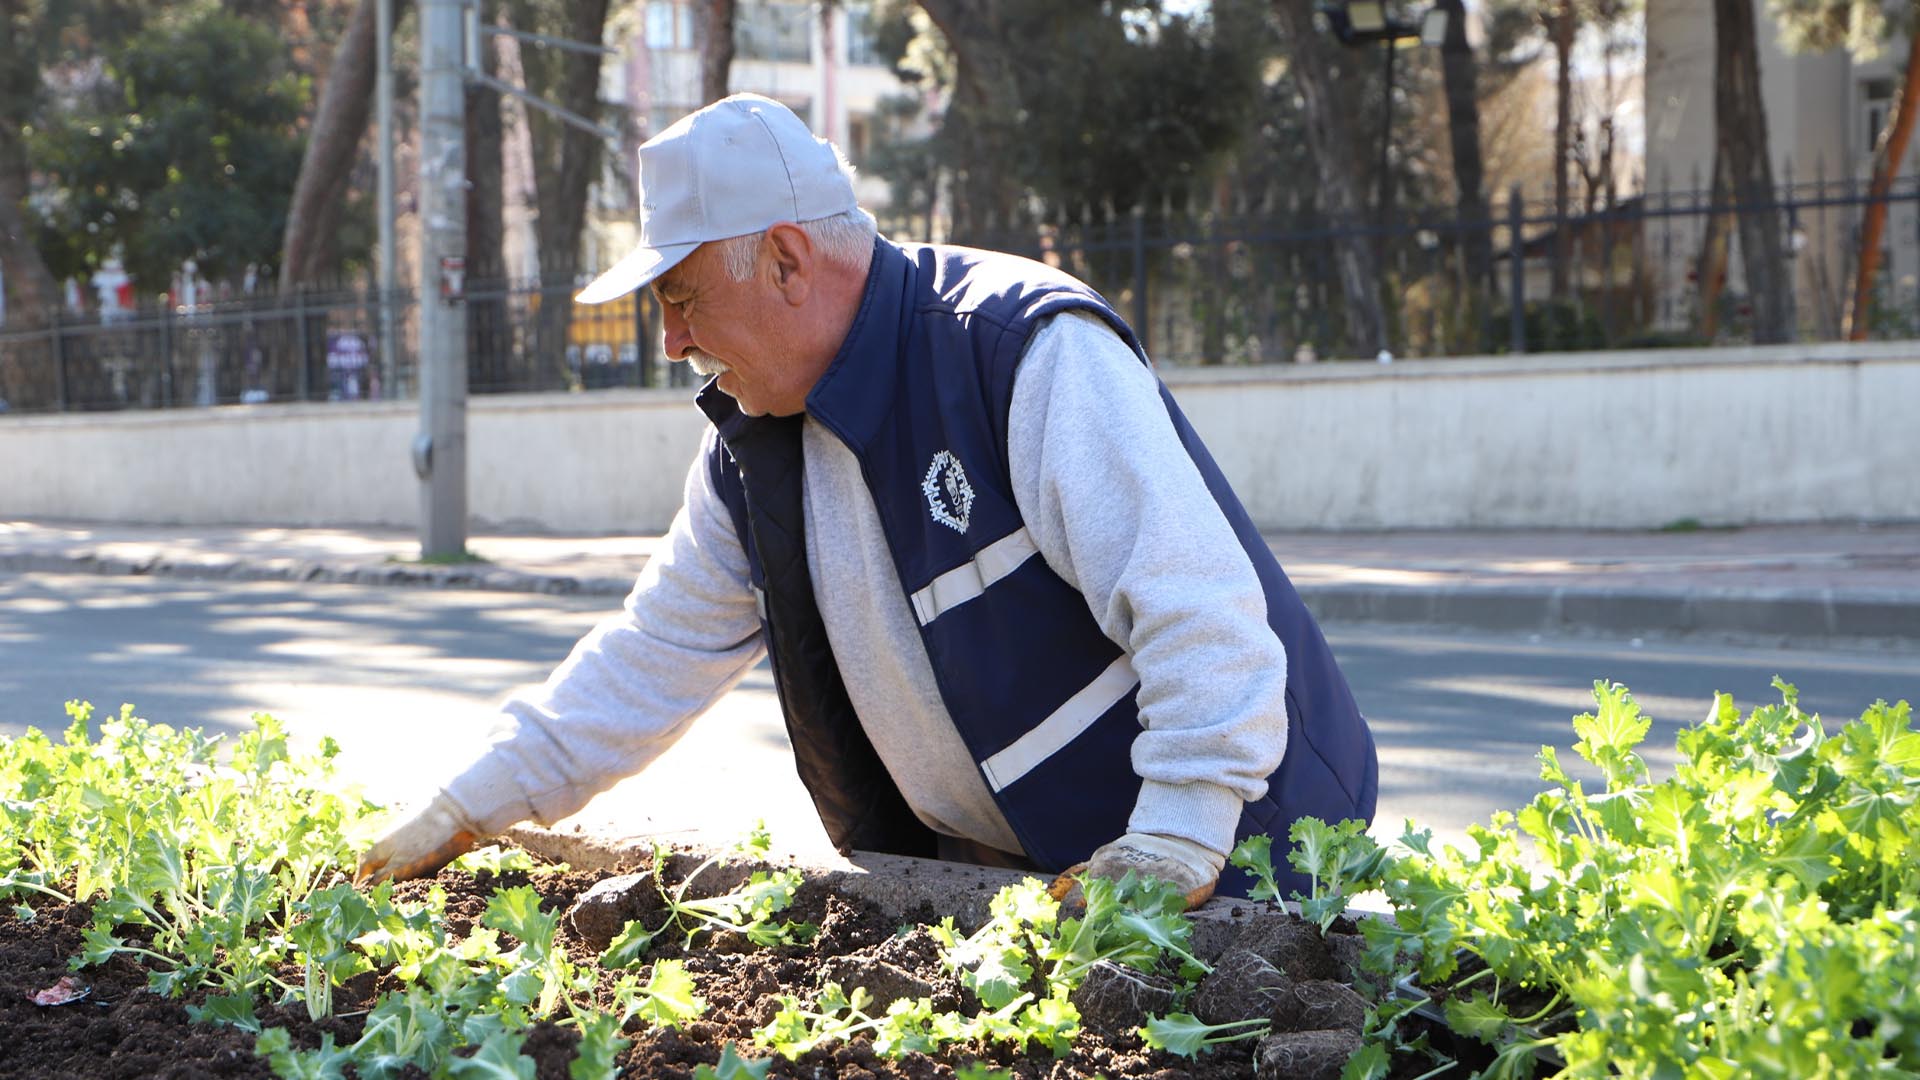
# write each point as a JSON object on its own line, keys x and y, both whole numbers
{"x": 920, "y": 392}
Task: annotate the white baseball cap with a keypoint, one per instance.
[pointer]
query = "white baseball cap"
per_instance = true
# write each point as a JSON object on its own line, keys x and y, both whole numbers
{"x": 732, "y": 168}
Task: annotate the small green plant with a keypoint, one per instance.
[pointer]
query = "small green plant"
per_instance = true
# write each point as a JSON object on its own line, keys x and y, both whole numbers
{"x": 734, "y": 1067}
{"x": 1752, "y": 914}
{"x": 747, "y": 910}
{"x": 1187, "y": 1035}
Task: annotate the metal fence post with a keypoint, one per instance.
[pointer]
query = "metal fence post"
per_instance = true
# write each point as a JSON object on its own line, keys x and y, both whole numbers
{"x": 1140, "y": 310}
{"x": 59, "y": 365}
{"x": 166, "y": 355}
{"x": 642, "y": 346}
{"x": 1517, "y": 318}
{"x": 303, "y": 381}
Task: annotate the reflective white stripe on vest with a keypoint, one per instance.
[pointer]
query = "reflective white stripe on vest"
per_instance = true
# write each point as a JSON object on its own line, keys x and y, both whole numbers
{"x": 1066, "y": 724}
{"x": 971, "y": 578}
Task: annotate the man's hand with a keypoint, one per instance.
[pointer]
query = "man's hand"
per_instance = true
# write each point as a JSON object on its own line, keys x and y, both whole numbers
{"x": 419, "y": 845}
{"x": 1192, "y": 868}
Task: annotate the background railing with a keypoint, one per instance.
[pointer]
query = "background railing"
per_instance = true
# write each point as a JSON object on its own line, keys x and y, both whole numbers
{"x": 1223, "y": 285}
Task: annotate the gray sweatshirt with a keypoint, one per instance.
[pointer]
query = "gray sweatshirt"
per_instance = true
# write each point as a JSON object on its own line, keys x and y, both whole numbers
{"x": 1116, "y": 508}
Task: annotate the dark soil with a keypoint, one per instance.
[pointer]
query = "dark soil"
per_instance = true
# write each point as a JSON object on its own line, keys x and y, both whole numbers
{"x": 120, "y": 1031}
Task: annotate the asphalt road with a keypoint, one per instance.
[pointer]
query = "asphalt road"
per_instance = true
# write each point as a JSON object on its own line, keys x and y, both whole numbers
{"x": 404, "y": 680}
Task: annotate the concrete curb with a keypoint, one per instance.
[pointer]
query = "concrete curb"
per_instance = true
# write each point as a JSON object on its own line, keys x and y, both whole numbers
{"x": 900, "y": 885}
{"x": 1809, "y": 614}
{"x": 415, "y": 575}
{"x": 1787, "y": 613}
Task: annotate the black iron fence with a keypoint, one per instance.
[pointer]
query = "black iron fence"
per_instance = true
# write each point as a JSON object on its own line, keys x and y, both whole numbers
{"x": 1233, "y": 286}
{"x": 1261, "y": 285}
{"x": 324, "y": 345}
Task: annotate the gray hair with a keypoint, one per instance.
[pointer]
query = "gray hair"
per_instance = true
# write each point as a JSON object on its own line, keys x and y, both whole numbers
{"x": 843, "y": 239}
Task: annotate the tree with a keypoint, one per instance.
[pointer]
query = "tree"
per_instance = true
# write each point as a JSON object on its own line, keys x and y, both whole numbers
{"x": 32, "y": 292}
{"x": 1313, "y": 70}
{"x": 38, "y": 36}
{"x": 1742, "y": 157}
{"x": 1071, "y": 110}
{"x": 486, "y": 210}
{"x": 1861, "y": 27}
{"x": 1460, "y": 77}
{"x": 1562, "y": 25}
{"x": 979, "y": 131}
{"x": 333, "y": 145}
{"x": 566, "y": 160}
{"x": 186, "y": 157}
{"x": 716, "y": 49}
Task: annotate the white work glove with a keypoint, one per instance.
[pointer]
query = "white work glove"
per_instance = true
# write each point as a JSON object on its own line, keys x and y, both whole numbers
{"x": 1193, "y": 868}
{"x": 419, "y": 845}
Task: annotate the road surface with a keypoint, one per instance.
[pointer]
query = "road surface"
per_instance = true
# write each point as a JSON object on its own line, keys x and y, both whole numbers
{"x": 405, "y": 679}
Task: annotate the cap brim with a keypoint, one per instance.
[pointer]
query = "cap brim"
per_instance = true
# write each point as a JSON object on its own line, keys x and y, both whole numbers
{"x": 640, "y": 267}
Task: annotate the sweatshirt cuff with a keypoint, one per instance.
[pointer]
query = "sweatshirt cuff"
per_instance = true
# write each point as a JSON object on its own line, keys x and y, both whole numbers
{"x": 1206, "y": 814}
{"x": 489, "y": 795}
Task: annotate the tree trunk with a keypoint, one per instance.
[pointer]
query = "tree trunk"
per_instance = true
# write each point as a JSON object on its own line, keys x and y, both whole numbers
{"x": 28, "y": 281}
{"x": 333, "y": 143}
{"x": 1889, "y": 150}
{"x": 1560, "y": 28}
{"x": 33, "y": 292}
{"x": 486, "y": 270}
{"x": 981, "y": 119}
{"x": 566, "y": 160}
{"x": 716, "y": 49}
{"x": 1710, "y": 272}
{"x": 1330, "y": 140}
{"x": 33, "y": 296}
{"x": 1740, "y": 134}
{"x": 1463, "y": 130}
{"x": 27, "y": 379}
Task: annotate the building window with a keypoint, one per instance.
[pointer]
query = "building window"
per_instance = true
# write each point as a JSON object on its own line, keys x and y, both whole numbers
{"x": 772, "y": 30}
{"x": 1876, "y": 101}
{"x": 860, "y": 47}
{"x": 859, "y": 138}
{"x": 669, "y": 25}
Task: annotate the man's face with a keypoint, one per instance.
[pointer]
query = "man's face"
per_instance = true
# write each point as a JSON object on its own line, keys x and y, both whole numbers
{"x": 733, "y": 329}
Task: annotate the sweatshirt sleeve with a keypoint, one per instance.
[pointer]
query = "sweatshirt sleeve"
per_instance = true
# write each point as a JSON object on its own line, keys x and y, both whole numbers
{"x": 1118, "y": 509}
{"x": 687, "y": 633}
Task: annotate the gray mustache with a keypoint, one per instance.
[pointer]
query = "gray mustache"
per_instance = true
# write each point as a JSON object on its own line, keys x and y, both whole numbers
{"x": 706, "y": 364}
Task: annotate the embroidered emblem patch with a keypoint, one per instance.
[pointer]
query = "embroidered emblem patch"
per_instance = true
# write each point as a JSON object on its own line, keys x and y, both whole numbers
{"x": 949, "y": 496}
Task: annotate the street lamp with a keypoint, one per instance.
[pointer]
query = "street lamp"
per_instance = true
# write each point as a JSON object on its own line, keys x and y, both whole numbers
{"x": 1357, "y": 23}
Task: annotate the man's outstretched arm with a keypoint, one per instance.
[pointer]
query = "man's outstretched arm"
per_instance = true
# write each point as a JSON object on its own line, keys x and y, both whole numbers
{"x": 686, "y": 635}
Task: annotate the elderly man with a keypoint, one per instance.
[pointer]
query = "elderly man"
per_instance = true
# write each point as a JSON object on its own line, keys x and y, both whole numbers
{"x": 1014, "y": 612}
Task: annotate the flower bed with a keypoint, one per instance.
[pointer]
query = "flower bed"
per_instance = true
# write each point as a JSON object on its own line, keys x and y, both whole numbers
{"x": 180, "y": 909}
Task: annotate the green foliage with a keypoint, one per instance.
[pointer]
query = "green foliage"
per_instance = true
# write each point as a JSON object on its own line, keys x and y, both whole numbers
{"x": 191, "y": 156}
{"x": 747, "y": 910}
{"x": 215, "y": 859}
{"x": 494, "y": 859}
{"x": 1187, "y": 1035}
{"x": 600, "y": 1043}
{"x": 667, "y": 999}
{"x": 1340, "y": 859}
{"x": 734, "y": 1067}
{"x": 1117, "y": 105}
{"x": 1133, "y": 921}
{"x": 1862, "y": 27}
{"x": 1752, "y": 914}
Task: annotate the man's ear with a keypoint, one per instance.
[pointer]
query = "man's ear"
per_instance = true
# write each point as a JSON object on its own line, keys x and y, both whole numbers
{"x": 791, "y": 250}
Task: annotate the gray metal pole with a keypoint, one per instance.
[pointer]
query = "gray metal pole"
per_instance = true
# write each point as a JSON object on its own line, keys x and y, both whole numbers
{"x": 440, "y": 451}
{"x": 1517, "y": 313}
{"x": 383, "y": 97}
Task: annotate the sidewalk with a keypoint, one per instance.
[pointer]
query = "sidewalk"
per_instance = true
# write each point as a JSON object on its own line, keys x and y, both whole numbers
{"x": 1803, "y": 583}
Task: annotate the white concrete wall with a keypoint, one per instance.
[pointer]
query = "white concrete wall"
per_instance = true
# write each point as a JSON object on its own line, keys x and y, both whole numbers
{"x": 1622, "y": 440}
{"x": 608, "y": 462}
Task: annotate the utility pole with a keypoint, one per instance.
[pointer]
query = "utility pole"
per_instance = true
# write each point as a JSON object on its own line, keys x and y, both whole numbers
{"x": 383, "y": 98}
{"x": 440, "y": 450}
